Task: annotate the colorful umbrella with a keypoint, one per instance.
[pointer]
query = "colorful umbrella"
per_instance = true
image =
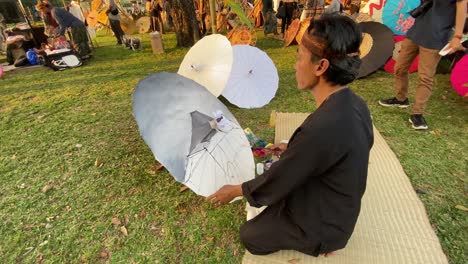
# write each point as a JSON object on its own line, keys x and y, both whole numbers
{"x": 192, "y": 133}
{"x": 390, "y": 65}
{"x": 254, "y": 78}
{"x": 376, "y": 47}
{"x": 209, "y": 63}
{"x": 459, "y": 77}
{"x": 291, "y": 32}
{"x": 396, "y": 15}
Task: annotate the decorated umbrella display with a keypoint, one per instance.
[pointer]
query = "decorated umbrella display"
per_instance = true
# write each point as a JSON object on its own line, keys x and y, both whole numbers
{"x": 459, "y": 77}
{"x": 396, "y": 15}
{"x": 290, "y": 35}
{"x": 390, "y": 65}
{"x": 254, "y": 78}
{"x": 209, "y": 63}
{"x": 374, "y": 8}
{"x": 242, "y": 35}
{"x": 376, "y": 47}
{"x": 191, "y": 133}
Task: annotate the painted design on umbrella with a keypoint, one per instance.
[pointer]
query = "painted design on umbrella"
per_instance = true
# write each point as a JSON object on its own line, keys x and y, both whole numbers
{"x": 254, "y": 78}
{"x": 374, "y": 8}
{"x": 390, "y": 65}
{"x": 396, "y": 15}
{"x": 209, "y": 63}
{"x": 459, "y": 77}
{"x": 191, "y": 133}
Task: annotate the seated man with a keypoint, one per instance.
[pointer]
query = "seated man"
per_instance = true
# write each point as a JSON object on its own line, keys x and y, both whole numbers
{"x": 313, "y": 192}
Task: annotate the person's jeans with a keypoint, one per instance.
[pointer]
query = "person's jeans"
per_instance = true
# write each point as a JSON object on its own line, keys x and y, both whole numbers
{"x": 286, "y": 21}
{"x": 428, "y": 60}
{"x": 117, "y": 29}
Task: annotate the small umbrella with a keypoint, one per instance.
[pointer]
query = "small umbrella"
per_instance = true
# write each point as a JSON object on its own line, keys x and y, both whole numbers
{"x": 209, "y": 63}
{"x": 143, "y": 24}
{"x": 191, "y": 133}
{"x": 290, "y": 35}
{"x": 459, "y": 77}
{"x": 396, "y": 15}
{"x": 390, "y": 65}
{"x": 254, "y": 78}
{"x": 376, "y": 47}
{"x": 374, "y": 8}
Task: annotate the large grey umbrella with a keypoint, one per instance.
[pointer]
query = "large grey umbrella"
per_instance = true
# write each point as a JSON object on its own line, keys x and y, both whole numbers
{"x": 176, "y": 119}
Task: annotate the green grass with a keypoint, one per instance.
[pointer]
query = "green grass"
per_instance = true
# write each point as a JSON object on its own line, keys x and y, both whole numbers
{"x": 45, "y": 114}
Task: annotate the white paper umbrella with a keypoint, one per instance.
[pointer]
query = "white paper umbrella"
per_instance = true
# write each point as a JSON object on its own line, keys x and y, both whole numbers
{"x": 209, "y": 63}
{"x": 254, "y": 78}
{"x": 175, "y": 116}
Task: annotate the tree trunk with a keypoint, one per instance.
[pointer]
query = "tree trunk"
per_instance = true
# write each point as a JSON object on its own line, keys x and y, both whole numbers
{"x": 185, "y": 22}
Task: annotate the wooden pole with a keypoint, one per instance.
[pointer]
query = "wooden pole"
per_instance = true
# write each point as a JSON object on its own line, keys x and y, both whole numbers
{"x": 213, "y": 16}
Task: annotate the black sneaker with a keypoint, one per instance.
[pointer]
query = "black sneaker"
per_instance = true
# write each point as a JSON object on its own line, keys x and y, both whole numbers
{"x": 393, "y": 102}
{"x": 418, "y": 121}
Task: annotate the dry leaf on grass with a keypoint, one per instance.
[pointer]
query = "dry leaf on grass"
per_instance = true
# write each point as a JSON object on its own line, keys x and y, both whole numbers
{"x": 47, "y": 187}
{"x": 461, "y": 207}
{"x": 124, "y": 231}
{"x": 294, "y": 261}
{"x": 435, "y": 132}
{"x": 183, "y": 188}
{"x": 116, "y": 221}
{"x": 181, "y": 211}
{"x": 13, "y": 157}
{"x": 209, "y": 238}
{"x": 104, "y": 254}
{"x": 142, "y": 213}
{"x": 67, "y": 208}
{"x": 98, "y": 163}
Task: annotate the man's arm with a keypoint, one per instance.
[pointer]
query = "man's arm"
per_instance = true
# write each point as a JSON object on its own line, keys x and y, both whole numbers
{"x": 460, "y": 19}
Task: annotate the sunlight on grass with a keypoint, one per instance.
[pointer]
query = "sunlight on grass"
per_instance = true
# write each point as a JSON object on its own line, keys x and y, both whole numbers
{"x": 71, "y": 160}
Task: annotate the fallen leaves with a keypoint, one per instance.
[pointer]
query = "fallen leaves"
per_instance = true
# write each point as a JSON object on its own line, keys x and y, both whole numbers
{"x": 104, "y": 254}
{"x": 67, "y": 208}
{"x": 124, "y": 231}
{"x": 461, "y": 207}
{"x": 183, "y": 188}
{"x": 142, "y": 213}
{"x": 435, "y": 132}
{"x": 182, "y": 211}
{"x": 294, "y": 261}
{"x": 115, "y": 221}
{"x": 13, "y": 157}
{"x": 209, "y": 238}
{"x": 49, "y": 186}
{"x": 98, "y": 163}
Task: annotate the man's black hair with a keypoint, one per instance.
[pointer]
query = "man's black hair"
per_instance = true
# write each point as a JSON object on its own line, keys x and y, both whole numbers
{"x": 342, "y": 38}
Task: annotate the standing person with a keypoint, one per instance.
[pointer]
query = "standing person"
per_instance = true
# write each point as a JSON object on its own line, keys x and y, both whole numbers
{"x": 270, "y": 20}
{"x": 66, "y": 20}
{"x": 204, "y": 10}
{"x": 313, "y": 9}
{"x": 314, "y": 191}
{"x": 290, "y": 5}
{"x": 429, "y": 34}
{"x": 156, "y": 19}
{"x": 114, "y": 21}
{"x": 167, "y": 9}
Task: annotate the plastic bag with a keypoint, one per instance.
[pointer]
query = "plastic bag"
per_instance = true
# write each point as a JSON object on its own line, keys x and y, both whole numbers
{"x": 32, "y": 58}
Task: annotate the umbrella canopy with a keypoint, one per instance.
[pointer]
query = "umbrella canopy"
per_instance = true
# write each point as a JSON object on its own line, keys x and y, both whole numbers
{"x": 202, "y": 150}
{"x": 390, "y": 65}
{"x": 396, "y": 16}
{"x": 459, "y": 77}
{"x": 374, "y": 8}
{"x": 254, "y": 78}
{"x": 376, "y": 47}
{"x": 209, "y": 63}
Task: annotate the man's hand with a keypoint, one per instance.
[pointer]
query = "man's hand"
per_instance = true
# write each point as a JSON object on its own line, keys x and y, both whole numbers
{"x": 455, "y": 45}
{"x": 225, "y": 194}
{"x": 277, "y": 149}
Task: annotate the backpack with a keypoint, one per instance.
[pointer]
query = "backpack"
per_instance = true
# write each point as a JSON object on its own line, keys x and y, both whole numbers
{"x": 132, "y": 43}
